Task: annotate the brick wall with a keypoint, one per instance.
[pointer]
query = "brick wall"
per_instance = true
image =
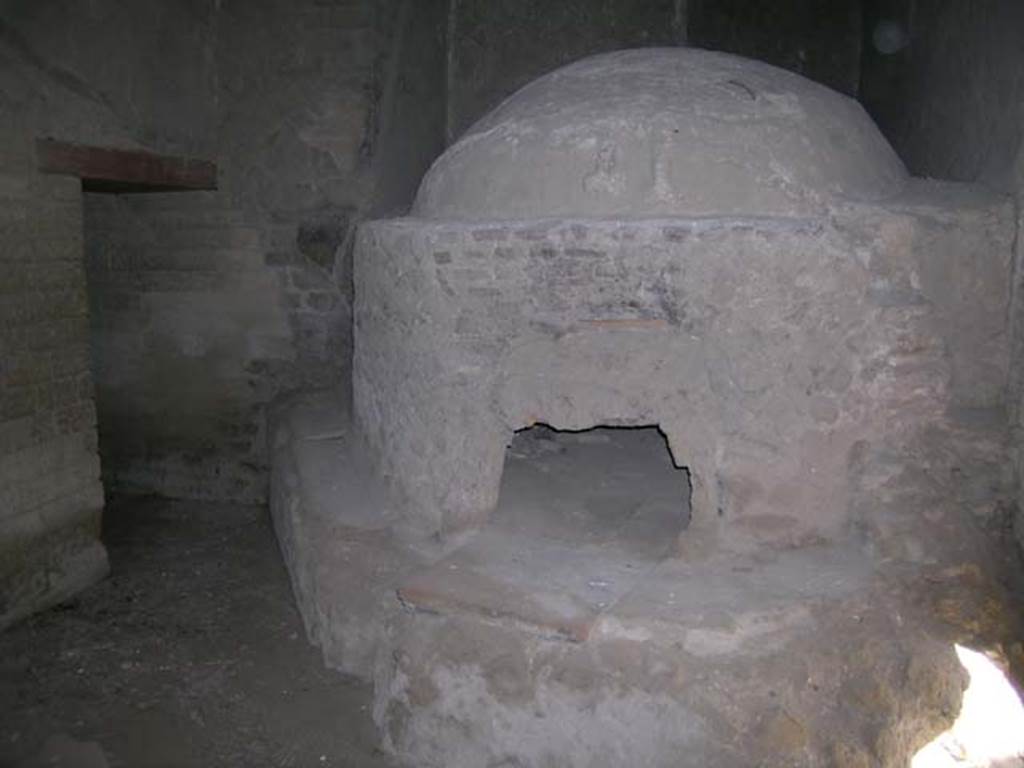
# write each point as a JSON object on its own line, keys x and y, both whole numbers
{"x": 198, "y": 321}
{"x": 58, "y": 78}
{"x": 184, "y": 321}
{"x": 50, "y": 492}
{"x": 205, "y": 307}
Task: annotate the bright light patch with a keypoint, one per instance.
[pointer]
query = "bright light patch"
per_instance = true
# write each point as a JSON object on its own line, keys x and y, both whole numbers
{"x": 989, "y": 732}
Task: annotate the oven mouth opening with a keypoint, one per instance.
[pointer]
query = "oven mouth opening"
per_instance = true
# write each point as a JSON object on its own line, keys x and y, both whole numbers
{"x": 596, "y": 480}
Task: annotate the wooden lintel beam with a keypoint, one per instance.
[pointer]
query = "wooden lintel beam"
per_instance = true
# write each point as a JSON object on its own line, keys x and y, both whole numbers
{"x": 122, "y": 170}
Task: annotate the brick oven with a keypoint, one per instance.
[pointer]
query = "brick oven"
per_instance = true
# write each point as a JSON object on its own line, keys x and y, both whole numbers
{"x": 668, "y": 238}
{"x": 665, "y": 237}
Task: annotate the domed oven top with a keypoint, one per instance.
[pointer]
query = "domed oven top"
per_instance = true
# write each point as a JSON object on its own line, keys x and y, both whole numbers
{"x": 662, "y": 132}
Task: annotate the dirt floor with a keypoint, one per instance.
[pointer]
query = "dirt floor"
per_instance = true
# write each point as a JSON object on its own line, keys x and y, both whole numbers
{"x": 190, "y": 654}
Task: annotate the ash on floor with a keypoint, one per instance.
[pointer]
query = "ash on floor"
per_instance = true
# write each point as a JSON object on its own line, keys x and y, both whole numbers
{"x": 190, "y": 653}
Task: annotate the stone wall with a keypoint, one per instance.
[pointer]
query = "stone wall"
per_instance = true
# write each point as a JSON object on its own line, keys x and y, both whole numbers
{"x": 137, "y": 74}
{"x": 191, "y": 334}
{"x": 320, "y": 113}
{"x": 408, "y": 130}
{"x": 469, "y": 332}
{"x": 818, "y": 40}
{"x": 951, "y": 101}
{"x": 202, "y": 307}
{"x": 208, "y": 306}
{"x": 496, "y": 47}
{"x": 50, "y": 494}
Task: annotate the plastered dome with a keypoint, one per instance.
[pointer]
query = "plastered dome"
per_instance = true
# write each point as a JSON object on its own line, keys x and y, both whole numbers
{"x": 663, "y": 132}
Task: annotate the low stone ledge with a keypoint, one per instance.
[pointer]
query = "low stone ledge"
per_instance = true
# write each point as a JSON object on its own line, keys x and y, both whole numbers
{"x": 334, "y": 530}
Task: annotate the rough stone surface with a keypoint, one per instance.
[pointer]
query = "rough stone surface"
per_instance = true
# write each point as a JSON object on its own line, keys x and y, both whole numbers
{"x": 662, "y": 132}
{"x": 245, "y": 293}
{"x": 180, "y": 291}
{"x": 820, "y": 655}
{"x": 766, "y": 349}
{"x": 335, "y": 530}
{"x": 318, "y": 114}
{"x": 582, "y": 520}
{"x": 958, "y": 116}
{"x": 778, "y": 680}
{"x": 829, "y": 358}
{"x": 50, "y": 493}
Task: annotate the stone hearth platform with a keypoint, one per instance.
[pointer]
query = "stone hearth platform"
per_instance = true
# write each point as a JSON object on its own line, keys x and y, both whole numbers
{"x": 729, "y": 259}
{"x": 821, "y": 655}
